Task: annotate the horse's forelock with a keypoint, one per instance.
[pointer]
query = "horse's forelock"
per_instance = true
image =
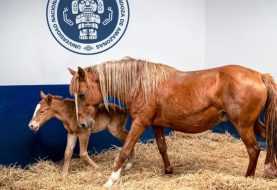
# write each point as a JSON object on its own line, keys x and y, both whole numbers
{"x": 74, "y": 89}
{"x": 74, "y": 85}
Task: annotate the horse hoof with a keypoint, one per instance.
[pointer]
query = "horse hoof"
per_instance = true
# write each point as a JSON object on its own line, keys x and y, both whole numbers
{"x": 128, "y": 166}
{"x": 96, "y": 167}
{"x": 64, "y": 174}
{"x": 270, "y": 172}
{"x": 169, "y": 170}
{"x": 108, "y": 185}
{"x": 269, "y": 175}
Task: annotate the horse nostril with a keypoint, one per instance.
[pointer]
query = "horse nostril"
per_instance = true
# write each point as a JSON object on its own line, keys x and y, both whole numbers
{"x": 33, "y": 128}
{"x": 82, "y": 125}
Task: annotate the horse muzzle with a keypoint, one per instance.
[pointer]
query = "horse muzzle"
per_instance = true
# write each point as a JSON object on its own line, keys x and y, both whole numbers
{"x": 34, "y": 126}
{"x": 88, "y": 124}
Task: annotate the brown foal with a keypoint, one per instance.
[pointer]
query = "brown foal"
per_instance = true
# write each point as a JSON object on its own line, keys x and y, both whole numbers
{"x": 64, "y": 109}
{"x": 189, "y": 102}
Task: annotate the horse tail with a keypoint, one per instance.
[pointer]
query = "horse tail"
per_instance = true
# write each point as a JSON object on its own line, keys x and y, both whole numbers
{"x": 271, "y": 116}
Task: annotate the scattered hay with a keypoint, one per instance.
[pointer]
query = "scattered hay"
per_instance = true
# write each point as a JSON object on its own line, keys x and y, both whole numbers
{"x": 204, "y": 161}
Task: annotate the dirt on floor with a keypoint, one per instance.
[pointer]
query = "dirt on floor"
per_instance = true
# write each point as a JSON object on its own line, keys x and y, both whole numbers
{"x": 203, "y": 161}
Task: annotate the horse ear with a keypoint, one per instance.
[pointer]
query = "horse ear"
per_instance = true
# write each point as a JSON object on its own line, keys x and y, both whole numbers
{"x": 48, "y": 99}
{"x": 71, "y": 71}
{"x": 42, "y": 94}
{"x": 81, "y": 73}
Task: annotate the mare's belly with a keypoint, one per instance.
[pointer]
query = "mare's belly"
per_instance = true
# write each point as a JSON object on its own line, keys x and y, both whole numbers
{"x": 194, "y": 123}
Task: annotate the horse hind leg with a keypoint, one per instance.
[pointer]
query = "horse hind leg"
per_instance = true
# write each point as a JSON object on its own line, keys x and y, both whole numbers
{"x": 83, "y": 143}
{"x": 248, "y": 137}
{"x": 161, "y": 143}
{"x": 270, "y": 168}
{"x": 71, "y": 142}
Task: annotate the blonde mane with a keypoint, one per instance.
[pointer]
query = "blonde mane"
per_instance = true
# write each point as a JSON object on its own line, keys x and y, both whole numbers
{"x": 124, "y": 78}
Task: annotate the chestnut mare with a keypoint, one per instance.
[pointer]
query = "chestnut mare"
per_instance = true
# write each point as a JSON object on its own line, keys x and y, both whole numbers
{"x": 191, "y": 102}
{"x": 64, "y": 109}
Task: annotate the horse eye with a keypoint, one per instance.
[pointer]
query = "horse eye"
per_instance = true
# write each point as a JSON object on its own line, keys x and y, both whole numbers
{"x": 81, "y": 96}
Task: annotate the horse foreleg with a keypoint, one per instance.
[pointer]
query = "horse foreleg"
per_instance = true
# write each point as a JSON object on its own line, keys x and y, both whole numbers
{"x": 161, "y": 143}
{"x": 117, "y": 130}
{"x": 137, "y": 129}
{"x": 71, "y": 142}
{"x": 83, "y": 141}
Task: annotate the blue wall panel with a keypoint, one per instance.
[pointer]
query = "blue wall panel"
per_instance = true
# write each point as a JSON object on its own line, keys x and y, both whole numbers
{"x": 18, "y": 145}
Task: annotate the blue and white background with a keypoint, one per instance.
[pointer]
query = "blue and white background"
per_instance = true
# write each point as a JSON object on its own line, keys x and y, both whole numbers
{"x": 186, "y": 34}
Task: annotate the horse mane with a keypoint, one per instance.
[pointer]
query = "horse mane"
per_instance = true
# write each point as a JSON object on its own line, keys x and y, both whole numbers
{"x": 57, "y": 97}
{"x": 68, "y": 100}
{"x": 124, "y": 78}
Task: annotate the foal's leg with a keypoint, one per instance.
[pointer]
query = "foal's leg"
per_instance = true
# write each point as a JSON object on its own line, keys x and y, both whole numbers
{"x": 116, "y": 128}
{"x": 160, "y": 138}
{"x": 83, "y": 141}
{"x": 71, "y": 142}
{"x": 248, "y": 137}
{"x": 137, "y": 129}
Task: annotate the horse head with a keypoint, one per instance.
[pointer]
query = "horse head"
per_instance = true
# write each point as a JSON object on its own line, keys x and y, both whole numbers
{"x": 86, "y": 90}
{"x": 42, "y": 113}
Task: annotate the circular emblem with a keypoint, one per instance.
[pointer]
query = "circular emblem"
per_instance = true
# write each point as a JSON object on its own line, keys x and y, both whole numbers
{"x": 87, "y": 26}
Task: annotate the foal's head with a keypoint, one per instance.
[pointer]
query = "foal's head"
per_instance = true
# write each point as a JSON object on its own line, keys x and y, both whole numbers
{"x": 87, "y": 93}
{"x": 43, "y": 112}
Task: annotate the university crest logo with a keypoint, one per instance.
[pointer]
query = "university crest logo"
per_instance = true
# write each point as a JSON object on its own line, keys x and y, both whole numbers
{"x": 87, "y": 26}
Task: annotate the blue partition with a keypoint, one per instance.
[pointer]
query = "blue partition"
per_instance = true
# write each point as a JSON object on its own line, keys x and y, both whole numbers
{"x": 19, "y": 145}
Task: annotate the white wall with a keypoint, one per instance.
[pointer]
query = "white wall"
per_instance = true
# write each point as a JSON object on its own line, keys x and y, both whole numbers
{"x": 172, "y": 32}
{"x": 242, "y": 32}
{"x": 187, "y": 34}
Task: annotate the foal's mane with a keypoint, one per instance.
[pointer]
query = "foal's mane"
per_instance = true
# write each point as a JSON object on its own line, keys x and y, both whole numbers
{"x": 60, "y": 98}
{"x": 126, "y": 77}
{"x": 57, "y": 97}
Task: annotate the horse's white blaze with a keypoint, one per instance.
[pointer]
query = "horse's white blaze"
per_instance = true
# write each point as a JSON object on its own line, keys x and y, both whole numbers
{"x": 76, "y": 106}
{"x": 36, "y": 110}
{"x": 112, "y": 179}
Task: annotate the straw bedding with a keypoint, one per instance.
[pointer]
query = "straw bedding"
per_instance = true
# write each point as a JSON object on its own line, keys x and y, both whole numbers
{"x": 203, "y": 161}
